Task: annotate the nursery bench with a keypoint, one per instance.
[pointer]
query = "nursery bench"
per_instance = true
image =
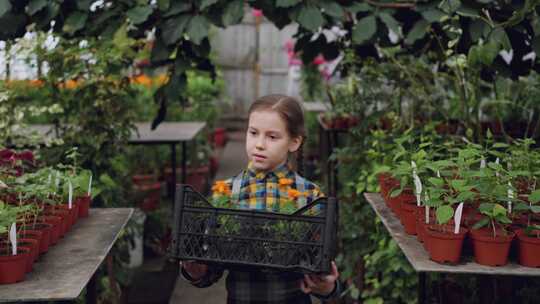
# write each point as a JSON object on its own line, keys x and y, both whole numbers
{"x": 419, "y": 258}
{"x": 62, "y": 273}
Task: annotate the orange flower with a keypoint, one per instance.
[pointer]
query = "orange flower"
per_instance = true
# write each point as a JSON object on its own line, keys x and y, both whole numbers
{"x": 285, "y": 182}
{"x": 221, "y": 187}
{"x": 36, "y": 83}
{"x": 161, "y": 79}
{"x": 143, "y": 80}
{"x": 71, "y": 84}
{"x": 293, "y": 193}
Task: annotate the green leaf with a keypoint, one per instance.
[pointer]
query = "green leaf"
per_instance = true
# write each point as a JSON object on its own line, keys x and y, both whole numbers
{"x": 458, "y": 183}
{"x": 536, "y": 45}
{"x": 206, "y": 3}
{"x": 535, "y": 209}
{"x": 499, "y": 36}
{"x": 83, "y": 5}
{"x": 159, "y": 51}
{"x": 310, "y": 17}
{"x": 483, "y": 222}
{"x": 174, "y": 28}
{"x": 439, "y": 182}
{"x": 177, "y": 7}
{"x": 5, "y": 6}
{"x": 390, "y": 22}
{"x": 498, "y": 210}
{"x": 359, "y": 7}
{"x": 364, "y": 29}
{"x": 75, "y": 22}
{"x": 163, "y": 5}
{"x": 332, "y": 9}
{"x": 433, "y": 15}
{"x": 34, "y": 6}
{"x": 198, "y": 28}
{"x": 450, "y": 6}
{"x": 139, "y": 14}
{"x": 418, "y": 31}
{"x": 476, "y": 29}
{"x": 287, "y": 3}
{"x": 534, "y": 197}
{"x": 444, "y": 214}
{"x": 234, "y": 12}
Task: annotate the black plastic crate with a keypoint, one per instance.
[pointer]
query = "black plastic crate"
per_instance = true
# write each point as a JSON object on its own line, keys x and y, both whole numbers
{"x": 304, "y": 241}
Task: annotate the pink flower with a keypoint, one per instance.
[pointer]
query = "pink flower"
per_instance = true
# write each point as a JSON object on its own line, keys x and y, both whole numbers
{"x": 6, "y": 154}
{"x": 257, "y": 13}
{"x": 319, "y": 60}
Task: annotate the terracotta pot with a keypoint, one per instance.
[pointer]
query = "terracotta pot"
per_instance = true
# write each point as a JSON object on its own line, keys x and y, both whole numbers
{"x": 56, "y": 227}
{"x": 196, "y": 177}
{"x": 84, "y": 205}
{"x": 13, "y": 267}
{"x": 36, "y": 235}
{"x": 445, "y": 246}
{"x": 489, "y": 250}
{"x": 220, "y": 137}
{"x": 408, "y": 217}
{"x": 152, "y": 194}
{"x": 406, "y": 197}
{"x": 65, "y": 220}
{"x": 33, "y": 244}
{"x": 46, "y": 230}
{"x": 143, "y": 179}
{"x": 528, "y": 249}
{"x": 420, "y": 215}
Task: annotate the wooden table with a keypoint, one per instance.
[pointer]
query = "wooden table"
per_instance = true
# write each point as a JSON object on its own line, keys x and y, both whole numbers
{"x": 419, "y": 258}
{"x": 169, "y": 133}
{"x": 62, "y": 273}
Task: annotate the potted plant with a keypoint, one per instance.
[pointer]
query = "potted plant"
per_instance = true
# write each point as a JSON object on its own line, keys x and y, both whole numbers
{"x": 12, "y": 264}
{"x": 529, "y": 237}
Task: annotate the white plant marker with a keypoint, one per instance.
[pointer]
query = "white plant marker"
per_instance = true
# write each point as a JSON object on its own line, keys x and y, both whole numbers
{"x": 497, "y": 162}
{"x": 417, "y": 184}
{"x": 56, "y": 182}
{"x": 70, "y": 194}
{"x": 438, "y": 174}
{"x": 510, "y": 196}
{"x": 90, "y": 185}
{"x": 457, "y": 218}
{"x": 49, "y": 179}
{"x": 482, "y": 163}
{"x": 13, "y": 239}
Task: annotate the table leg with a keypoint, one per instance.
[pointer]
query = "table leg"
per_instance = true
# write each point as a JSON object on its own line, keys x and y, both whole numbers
{"x": 91, "y": 290}
{"x": 335, "y": 142}
{"x": 421, "y": 288}
{"x": 184, "y": 161}
{"x": 329, "y": 163}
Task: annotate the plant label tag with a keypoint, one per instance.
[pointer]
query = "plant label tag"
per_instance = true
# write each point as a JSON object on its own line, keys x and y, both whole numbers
{"x": 457, "y": 218}
{"x": 56, "y": 182}
{"x": 510, "y": 196}
{"x": 13, "y": 238}
{"x": 70, "y": 194}
{"x": 49, "y": 179}
{"x": 427, "y": 214}
{"x": 497, "y": 162}
{"x": 90, "y": 185}
{"x": 438, "y": 174}
{"x": 418, "y": 187}
{"x": 482, "y": 163}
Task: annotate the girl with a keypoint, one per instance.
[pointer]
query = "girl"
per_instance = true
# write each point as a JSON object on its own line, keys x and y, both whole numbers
{"x": 275, "y": 130}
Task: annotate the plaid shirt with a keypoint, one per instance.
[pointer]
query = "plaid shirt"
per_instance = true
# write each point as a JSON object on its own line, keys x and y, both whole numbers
{"x": 262, "y": 191}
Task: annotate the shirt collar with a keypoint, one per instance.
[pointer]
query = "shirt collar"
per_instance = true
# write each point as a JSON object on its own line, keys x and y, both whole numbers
{"x": 280, "y": 171}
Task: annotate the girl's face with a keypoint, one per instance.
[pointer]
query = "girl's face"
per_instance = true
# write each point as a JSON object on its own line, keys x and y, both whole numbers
{"x": 267, "y": 141}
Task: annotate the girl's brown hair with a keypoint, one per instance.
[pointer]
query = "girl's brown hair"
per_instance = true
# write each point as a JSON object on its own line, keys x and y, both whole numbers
{"x": 287, "y": 107}
{"x": 290, "y": 111}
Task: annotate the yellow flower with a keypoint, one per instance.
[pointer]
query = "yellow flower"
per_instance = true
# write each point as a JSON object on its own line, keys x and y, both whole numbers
{"x": 285, "y": 182}
{"x": 221, "y": 187}
{"x": 71, "y": 84}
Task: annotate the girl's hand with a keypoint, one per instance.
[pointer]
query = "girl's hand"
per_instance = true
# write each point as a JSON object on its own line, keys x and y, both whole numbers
{"x": 194, "y": 269}
{"x": 320, "y": 284}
